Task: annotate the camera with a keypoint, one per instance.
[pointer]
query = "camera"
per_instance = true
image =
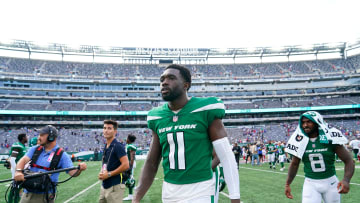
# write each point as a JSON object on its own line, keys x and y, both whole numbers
{"x": 6, "y": 163}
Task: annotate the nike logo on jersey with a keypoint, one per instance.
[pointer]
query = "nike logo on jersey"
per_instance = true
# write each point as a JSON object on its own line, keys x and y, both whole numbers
{"x": 316, "y": 150}
{"x": 333, "y": 183}
{"x": 178, "y": 127}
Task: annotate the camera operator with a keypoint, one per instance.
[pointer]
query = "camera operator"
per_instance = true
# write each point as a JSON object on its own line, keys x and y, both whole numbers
{"x": 42, "y": 159}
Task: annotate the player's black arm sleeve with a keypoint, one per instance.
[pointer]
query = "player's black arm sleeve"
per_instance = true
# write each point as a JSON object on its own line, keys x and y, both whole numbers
{"x": 294, "y": 166}
{"x": 345, "y": 156}
{"x": 150, "y": 168}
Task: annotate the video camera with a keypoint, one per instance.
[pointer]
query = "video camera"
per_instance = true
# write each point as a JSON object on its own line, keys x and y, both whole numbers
{"x": 6, "y": 163}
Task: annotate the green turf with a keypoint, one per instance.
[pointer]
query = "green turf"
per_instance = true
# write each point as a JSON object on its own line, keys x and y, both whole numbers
{"x": 260, "y": 185}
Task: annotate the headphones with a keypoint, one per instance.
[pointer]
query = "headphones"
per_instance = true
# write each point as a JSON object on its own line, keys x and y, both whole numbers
{"x": 52, "y": 133}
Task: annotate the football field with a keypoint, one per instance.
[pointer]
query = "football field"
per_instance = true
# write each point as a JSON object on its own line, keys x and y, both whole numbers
{"x": 257, "y": 184}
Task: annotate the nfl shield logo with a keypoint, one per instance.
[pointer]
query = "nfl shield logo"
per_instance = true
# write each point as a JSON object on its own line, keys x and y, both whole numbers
{"x": 175, "y": 119}
{"x": 313, "y": 145}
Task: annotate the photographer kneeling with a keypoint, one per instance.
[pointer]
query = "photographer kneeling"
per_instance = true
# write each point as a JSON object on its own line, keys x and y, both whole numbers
{"x": 45, "y": 157}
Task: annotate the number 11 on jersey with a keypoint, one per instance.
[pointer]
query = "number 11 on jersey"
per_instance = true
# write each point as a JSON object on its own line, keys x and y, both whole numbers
{"x": 180, "y": 150}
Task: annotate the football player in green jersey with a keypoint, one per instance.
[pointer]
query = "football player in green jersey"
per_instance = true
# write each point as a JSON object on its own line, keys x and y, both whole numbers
{"x": 282, "y": 156}
{"x": 17, "y": 151}
{"x": 131, "y": 152}
{"x": 271, "y": 149}
{"x": 320, "y": 182}
{"x": 185, "y": 132}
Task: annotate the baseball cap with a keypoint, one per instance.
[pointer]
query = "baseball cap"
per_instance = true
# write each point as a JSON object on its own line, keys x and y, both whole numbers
{"x": 47, "y": 130}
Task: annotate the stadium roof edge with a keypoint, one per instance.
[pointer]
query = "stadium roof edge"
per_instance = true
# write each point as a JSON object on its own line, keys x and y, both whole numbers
{"x": 181, "y": 55}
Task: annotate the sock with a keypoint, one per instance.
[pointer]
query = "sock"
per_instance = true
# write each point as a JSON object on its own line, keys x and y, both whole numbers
{"x": 282, "y": 164}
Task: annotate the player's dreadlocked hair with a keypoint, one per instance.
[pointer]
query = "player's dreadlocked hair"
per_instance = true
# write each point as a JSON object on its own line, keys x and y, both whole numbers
{"x": 185, "y": 73}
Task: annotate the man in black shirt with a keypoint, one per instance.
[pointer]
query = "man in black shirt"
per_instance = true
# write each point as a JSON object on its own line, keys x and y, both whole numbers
{"x": 114, "y": 163}
{"x": 237, "y": 152}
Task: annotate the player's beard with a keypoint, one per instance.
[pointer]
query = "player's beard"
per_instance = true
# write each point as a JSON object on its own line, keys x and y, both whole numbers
{"x": 312, "y": 131}
{"x": 172, "y": 94}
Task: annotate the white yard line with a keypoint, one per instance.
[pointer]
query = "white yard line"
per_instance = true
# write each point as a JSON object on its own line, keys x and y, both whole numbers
{"x": 80, "y": 193}
{"x": 226, "y": 195}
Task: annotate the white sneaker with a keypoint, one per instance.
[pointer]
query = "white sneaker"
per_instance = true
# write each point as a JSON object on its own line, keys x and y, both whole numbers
{"x": 282, "y": 169}
{"x": 128, "y": 198}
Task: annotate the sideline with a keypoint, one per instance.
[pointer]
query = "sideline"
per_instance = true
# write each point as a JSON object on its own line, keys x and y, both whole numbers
{"x": 268, "y": 171}
{"x": 80, "y": 193}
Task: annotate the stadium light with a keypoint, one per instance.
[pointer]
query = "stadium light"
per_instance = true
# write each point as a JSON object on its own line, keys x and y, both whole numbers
{"x": 307, "y": 46}
{"x": 107, "y": 48}
{"x": 223, "y": 50}
{"x": 334, "y": 45}
{"x": 42, "y": 44}
{"x": 76, "y": 47}
{"x": 277, "y": 49}
{"x": 7, "y": 41}
{"x": 252, "y": 49}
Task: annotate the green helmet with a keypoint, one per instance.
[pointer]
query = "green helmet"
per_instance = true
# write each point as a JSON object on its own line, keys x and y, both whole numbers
{"x": 33, "y": 141}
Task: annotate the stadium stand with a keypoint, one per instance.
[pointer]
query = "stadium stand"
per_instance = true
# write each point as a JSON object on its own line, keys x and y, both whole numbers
{"x": 15, "y": 66}
{"x": 127, "y": 90}
{"x": 73, "y": 139}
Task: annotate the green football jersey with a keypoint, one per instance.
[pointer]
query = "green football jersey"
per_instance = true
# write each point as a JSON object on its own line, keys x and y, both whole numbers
{"x": 270, "y": 148}
{"x": 319, "y": 160}
{"x": 130, "y": 147}
{"x": 281, "y": 150}
{"x": 186, "y": 147}
{"x": 21, "y": 149}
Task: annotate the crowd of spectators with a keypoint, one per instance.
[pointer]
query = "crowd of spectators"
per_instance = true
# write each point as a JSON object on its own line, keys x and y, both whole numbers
{"x": 41, "y": 68}
{"x": 135, "y": 107}
{"x": 65, "y": 106}
{"x": 146, "y": 106}
{"x": 72, "y": 106}
{"x": 102, "y": 107}
{"x": 26, "y": 106}
{"x": 77, "y": 140}
{"x": 294, "y": 102}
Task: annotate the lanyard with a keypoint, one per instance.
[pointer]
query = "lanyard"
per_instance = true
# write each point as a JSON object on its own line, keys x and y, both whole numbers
{"x": 107, "y": 163}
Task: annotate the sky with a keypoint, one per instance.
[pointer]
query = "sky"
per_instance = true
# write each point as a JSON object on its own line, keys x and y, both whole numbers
{"x": 181, "y": 23}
